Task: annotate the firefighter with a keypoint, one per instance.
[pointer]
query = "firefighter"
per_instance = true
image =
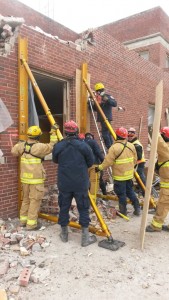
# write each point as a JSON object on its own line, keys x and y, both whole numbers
{"x": 163, "y": 169}
{"x": 106, "y": 102}
{"x": 122, "y": 157}
{"x": 98, "y": 158}
{"x": 32, "y": 176}
{"x": 73, "y": 157}
{"x": 132, "y": 138}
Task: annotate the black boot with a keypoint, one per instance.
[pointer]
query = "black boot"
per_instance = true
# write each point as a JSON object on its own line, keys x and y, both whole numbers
{"x": 165, "y": 228}
{"x": 136, "y": 208}
{"x": 123, "y": 209}
{"x": 64, "y": 234}
{"x": 86, "y": 238}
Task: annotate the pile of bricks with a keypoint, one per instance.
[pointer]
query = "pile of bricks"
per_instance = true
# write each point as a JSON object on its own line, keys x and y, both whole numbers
{"x": 17, "y": 264}
{"x": 9, "y": 27}
{"x": 16, "y": 239}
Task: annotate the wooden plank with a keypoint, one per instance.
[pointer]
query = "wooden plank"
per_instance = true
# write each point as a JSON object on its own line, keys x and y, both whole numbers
{"x": 82, "y": 111}
{"x": 140, "y": 127}
{"x": 3, "y": 295}
{"x": 83, "y": 100}
{"x": 78, "y": 95}
{"x": 156, "y": 126}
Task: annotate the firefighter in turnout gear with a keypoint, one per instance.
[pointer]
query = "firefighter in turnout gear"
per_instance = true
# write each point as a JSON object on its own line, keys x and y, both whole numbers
{"x": 73, "y": 157}
{"x": 106, "y": 102}
{"x": 162, "y": 208}
{"x": 132, "y": 138}
{"x": 32, "y": 176}
{"x": 122, "y": 157}
{"x": 95, "y": 181}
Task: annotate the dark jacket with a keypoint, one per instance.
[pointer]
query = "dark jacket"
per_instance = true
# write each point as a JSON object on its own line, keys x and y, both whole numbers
{"x": 139, "y": 148}
{"x": 73, "y": 158}
{"x": 106, "y": 105}
{"x": 98, "y": 156}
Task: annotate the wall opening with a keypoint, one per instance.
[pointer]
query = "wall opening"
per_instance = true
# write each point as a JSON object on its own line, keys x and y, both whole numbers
{"x": 54, "y": 91}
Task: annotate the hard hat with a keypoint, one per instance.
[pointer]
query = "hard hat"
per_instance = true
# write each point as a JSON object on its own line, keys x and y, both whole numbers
{"x": 122, "y": 132}
{"x": 132, "y": 130}
{"x": 90, "y": 135}
{"x": 34, "y": 131}
{"x": 81, "y": 136}
{"x": 70, "y": 127}
{"x": 165, "y": 131}
{"x": 99, "y": 86}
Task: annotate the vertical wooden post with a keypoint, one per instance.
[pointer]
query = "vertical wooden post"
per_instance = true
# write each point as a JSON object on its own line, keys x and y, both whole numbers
{"x": 156, "y": 127}
{"x": 23, "y": 101}
{"x": 83, "y": 100}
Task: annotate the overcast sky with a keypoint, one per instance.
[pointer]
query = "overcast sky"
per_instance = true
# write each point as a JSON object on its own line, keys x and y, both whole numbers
{"x": 80, "y": 15}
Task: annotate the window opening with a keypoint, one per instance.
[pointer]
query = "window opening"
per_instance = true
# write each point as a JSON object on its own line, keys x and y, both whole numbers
{"x": 54, "y": 93}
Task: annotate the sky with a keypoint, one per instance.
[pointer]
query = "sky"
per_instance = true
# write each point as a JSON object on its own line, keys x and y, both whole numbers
{"x": 80, "y": 15}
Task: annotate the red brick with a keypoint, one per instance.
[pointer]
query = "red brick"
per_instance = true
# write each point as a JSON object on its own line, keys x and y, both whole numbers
{"x": 24, "y": 277}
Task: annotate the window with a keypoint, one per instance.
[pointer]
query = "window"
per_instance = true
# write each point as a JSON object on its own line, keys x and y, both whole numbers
{"x": 144, "y": 54}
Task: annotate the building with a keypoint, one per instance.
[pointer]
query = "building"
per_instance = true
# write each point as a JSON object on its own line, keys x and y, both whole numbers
{"x": 55, "y": 56}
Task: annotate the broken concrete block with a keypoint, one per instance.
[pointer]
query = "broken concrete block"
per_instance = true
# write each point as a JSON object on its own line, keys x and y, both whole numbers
{"x": 23, "y": 251}
{"x": 39, "y": 275}
{"x": 14, "y": 289}
{"x": 4, "y": 266}
{"x": 36, "y": 247}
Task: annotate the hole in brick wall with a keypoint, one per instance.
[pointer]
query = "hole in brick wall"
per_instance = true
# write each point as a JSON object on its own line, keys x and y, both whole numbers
{"x": 9, "y": 27}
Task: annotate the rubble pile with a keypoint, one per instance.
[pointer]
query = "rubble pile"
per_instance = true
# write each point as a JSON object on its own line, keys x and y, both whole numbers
{"x": 9, "y": 27}
{"x": 17, "y": 264}
{"x": 50, "y": 206}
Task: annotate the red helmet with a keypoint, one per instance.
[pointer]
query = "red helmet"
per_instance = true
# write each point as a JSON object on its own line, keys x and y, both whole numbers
{"x": 81, "y": 136}
{"x": 165, "y": 131}
{"x": 70, "y": 127}
{"x": 122, "y": 132}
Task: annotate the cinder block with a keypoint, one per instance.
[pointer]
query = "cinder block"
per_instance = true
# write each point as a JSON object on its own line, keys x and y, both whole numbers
{"x": 24, "y": 277}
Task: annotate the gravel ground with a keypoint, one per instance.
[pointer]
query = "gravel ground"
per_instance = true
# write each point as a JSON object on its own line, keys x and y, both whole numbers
{"x": 96, "y": 273}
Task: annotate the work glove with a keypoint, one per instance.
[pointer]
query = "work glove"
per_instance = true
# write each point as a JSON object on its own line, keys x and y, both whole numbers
{"x": 98, "y": 168}
{"x": 99, "y": 98}
{"x": 54, "y": 127}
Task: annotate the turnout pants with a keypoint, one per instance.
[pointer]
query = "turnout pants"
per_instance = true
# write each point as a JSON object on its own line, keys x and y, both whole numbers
{"x": 83, "y": 203}
{"x": 94, "y": 180}
{"x": 162, "y": 208}
{"x": 32, "y": 197}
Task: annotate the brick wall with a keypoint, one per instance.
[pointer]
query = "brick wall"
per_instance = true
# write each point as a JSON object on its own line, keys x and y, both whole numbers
{"x": 18, "y": 9}
{"x": 130, "y": 79}
{"x": 139, "y": 25}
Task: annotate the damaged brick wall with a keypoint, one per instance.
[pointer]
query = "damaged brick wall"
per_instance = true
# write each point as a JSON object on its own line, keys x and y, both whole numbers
{"x": 130, "y": 79}
{"x": 9, "y": 27}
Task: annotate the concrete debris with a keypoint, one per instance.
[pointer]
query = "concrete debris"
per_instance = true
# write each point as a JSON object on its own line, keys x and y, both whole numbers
{"x": 79, "y": 44}
{"x": 9, "y": 27}
{"x": 39, "y": 274}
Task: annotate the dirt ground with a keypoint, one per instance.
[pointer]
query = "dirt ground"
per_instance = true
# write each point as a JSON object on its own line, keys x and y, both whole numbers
{"x": 74, "y": 272}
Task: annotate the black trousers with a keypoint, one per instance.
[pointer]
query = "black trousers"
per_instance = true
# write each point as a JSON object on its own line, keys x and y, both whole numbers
{"x": 124, "y": 189}
{"x": 83, "y": 204}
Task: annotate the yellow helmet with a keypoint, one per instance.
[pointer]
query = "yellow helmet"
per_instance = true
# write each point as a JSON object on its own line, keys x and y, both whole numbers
{"x": 33, "y": 132}
{"x": 99, "y": 86}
